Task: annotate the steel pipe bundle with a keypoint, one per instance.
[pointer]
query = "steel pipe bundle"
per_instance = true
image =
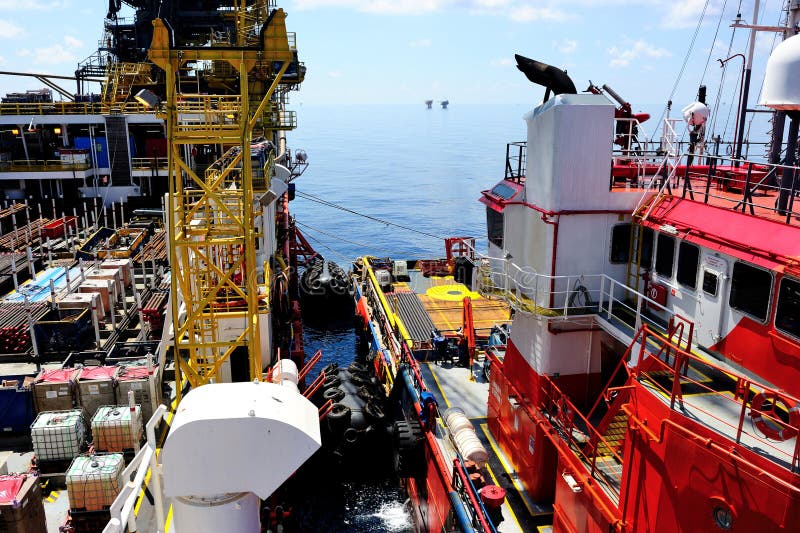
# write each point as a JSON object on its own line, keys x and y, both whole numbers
{"x": 154, "y": 251}
{"x": 23, "y": 237}
{"x": 153, "y": 310}
{"x": 15, "y": 335}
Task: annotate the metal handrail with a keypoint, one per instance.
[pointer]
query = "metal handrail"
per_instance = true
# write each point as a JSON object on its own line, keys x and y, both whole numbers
{"x": 682, "y": 358}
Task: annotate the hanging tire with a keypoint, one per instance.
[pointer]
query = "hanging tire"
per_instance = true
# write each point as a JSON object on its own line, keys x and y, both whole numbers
{"x": 365, "y": 394}
{"x": 409, "y": 449}
{"x": 351, "y": 436}
{"x": 339, "y": 417}
{"x": 358, "y": 368}
{"x": 375, "y": 412}
{"x": 335, "y": 394}
{"x": 331, "y": 369}
{"x": 359, "y": 380}
{"x": 331, "y": 381}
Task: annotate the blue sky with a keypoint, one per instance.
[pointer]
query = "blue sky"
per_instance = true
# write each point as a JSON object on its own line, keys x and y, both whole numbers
{"x": 406, "y": 51}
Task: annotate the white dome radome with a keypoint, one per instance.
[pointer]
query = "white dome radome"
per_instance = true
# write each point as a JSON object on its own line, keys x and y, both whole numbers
{"x": 782, "y": 78}
{"x": 696, "y": 113}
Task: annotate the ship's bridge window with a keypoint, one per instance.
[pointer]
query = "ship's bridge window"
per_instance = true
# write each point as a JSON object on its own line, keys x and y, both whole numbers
{"x": 620, "y": 243}
{"x": 688, "y": 262}
{"x": 750, "y": 290}
{"x": 665, "y": 255}
{"x": 787, "y": 317}
{"x": 494, "y": 226}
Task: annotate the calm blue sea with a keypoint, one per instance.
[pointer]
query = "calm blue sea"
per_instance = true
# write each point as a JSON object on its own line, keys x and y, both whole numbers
{"x": 419, "y": 168}
{"x": 406, "y": 164}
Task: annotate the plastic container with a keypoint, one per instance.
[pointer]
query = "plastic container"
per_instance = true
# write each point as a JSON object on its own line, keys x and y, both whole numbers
{"x": 142, "y": 381}
{"x": 54, "y": 390}
{"x": 59, "y": 435}
{"x": 117, "y": 428}
{"x": 94, "y": 481}
{"x": 96, "y": 388}
{"x": 21, "y": 506}
{"x": 16, "y": 404}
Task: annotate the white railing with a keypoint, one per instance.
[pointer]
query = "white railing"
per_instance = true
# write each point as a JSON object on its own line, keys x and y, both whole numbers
{"x": 123, "y": 517}
{"x": 565, "y": 297}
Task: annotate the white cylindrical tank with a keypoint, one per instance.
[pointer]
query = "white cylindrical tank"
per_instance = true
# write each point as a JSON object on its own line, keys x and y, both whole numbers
{"x": 237, "y": 512}
{"x": 782, "y": 77}
{"x": 463, "y": 433}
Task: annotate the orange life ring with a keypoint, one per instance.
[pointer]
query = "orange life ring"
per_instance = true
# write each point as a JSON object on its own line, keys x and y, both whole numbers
{"x": 767, "y": 420}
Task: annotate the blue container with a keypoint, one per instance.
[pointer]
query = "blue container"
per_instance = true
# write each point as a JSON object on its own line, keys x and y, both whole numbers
{"x": 16, "y": 405}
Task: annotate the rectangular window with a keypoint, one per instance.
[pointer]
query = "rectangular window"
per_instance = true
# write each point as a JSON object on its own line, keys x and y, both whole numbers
{"x": 787, "y": 316}
{"x": 647, "y": 246}
{"x": 688, "y": 261}
{"x": 620, "y": 243}
{"x": 750, "y": 290}
{"x": 494, "y": 226}
{"x": 665, "y": 254}
{"x": 710, "y": 282}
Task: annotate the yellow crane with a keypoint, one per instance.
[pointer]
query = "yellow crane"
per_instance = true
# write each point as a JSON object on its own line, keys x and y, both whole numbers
{"x": 218, "y": 302}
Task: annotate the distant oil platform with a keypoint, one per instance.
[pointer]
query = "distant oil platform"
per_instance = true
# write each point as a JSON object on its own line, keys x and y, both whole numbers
{"x": 444, "y": 103}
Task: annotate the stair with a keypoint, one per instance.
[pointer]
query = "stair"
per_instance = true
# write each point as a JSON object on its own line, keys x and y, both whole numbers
{"x": 118, "y": 148}
{"x": 614, "y": 435}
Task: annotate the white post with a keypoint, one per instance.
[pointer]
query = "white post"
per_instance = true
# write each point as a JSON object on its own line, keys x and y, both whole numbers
{"x": 49, "y": 254}
{"x": 112, "y": 297}
{"x": 96, "y": 322}
{"x": 14, "y": 270}
{"x": 30, "y": 261}
{"x": 30, "y": 328}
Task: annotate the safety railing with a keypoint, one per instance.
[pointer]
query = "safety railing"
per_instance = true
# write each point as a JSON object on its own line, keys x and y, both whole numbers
{"x": 149, "y": 163}
{"x": 41, "y": 165}
{"x": 565, "y": 297}
{"x": 516, "y": 161}
{"x": 72, "y": 108}
{"x": 670, "y": 369}
{"x": 122, "y": 511}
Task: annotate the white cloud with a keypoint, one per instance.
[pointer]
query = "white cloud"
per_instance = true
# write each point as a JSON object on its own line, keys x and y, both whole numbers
{"x": 398, "y": 7}
{"x": 686, "y": 13}
{"x": 502, "y": 62}
{"x": 9, "y": 30}
{"x": 335, "y": 74}
{"x": 516, "y": 10}
{"x": 421, "y": 43}
{"x": 72, "y": 41}
{"x": 623, "y": 56}
{"x": 31, "y": 5}
{"x": 529, "y": 14}
{"x": 55, "y": 54}
{"x": 565, "y": 46}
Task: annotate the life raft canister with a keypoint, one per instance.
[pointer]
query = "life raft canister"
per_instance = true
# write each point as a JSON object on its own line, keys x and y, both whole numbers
{"x": 767, "y": 420}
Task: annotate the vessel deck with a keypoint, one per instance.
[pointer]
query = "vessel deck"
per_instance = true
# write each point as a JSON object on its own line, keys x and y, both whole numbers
{"x": 442, "y": 301}
{"x": 452, "y": 386}
{"x": 726, "y": 190}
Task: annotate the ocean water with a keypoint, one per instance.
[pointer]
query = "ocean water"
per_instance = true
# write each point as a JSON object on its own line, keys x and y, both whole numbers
{"x": 423, "y": 169}
{"x": 418, "y": 168}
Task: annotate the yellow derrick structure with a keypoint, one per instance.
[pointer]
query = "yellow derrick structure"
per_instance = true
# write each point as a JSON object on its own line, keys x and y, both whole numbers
{"x": 218, "y": 299}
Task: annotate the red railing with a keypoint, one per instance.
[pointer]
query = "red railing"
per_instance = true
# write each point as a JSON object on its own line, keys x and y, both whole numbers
{"x": 672, "y": 363}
